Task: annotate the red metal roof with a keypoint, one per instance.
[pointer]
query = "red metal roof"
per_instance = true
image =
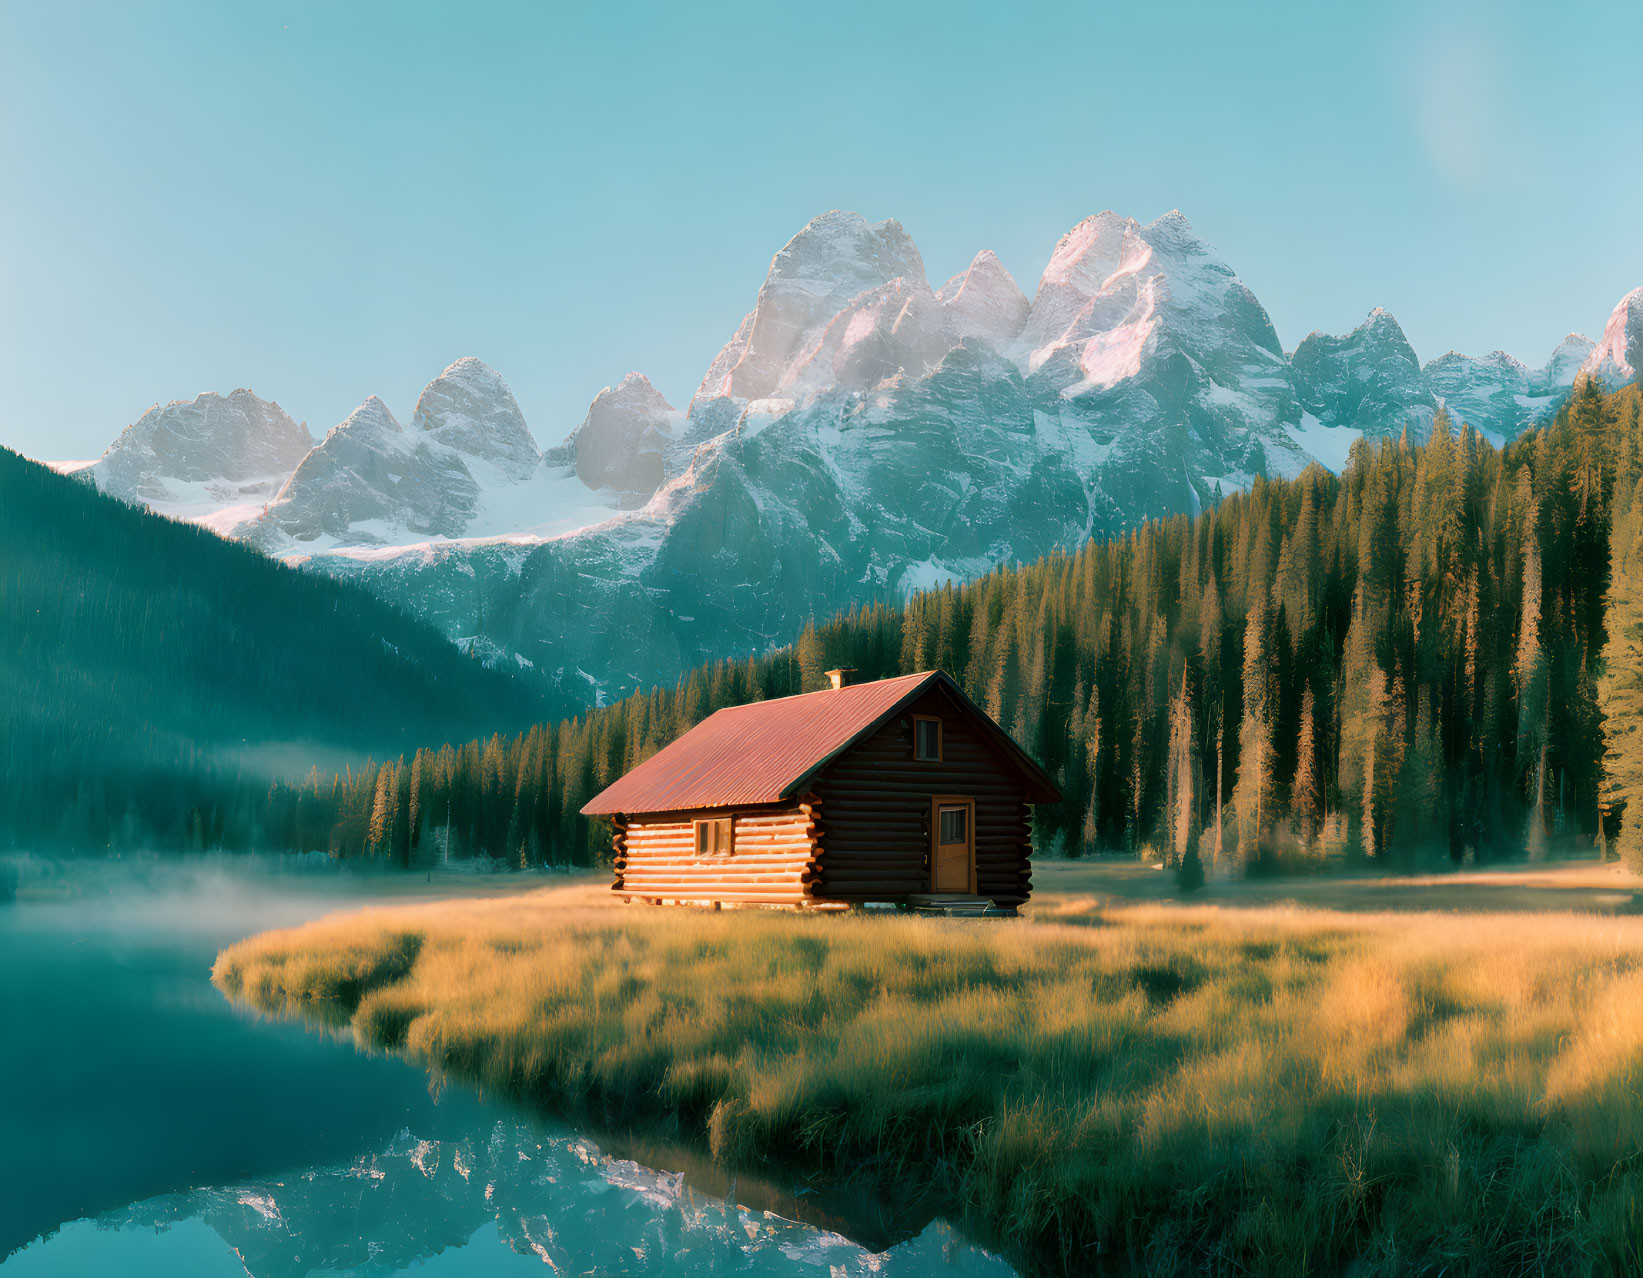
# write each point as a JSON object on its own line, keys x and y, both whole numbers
{"x": 754, "y": 753}
{"x": 760, "y": 752}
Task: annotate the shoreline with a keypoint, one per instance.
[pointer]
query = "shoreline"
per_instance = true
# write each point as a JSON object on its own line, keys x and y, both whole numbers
{"x": 1351, "y": 1086}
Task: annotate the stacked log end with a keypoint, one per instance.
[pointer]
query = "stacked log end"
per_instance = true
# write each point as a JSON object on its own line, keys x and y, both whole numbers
{"x": 772, "y": 861}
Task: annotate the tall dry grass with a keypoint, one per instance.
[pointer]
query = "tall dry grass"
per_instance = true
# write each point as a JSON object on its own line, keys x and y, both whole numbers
{"x": 1152, "y": 1089}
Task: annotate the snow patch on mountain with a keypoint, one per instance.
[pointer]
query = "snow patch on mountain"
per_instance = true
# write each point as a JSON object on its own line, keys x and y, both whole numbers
{"x": 899, "y": 327}
{"x": 1331, "y": 445}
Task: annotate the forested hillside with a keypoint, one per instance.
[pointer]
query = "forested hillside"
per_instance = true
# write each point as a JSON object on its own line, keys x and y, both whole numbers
{"x": 1405, "y": 663}
{"x": 150, "y": 669}
{"x": 1408, "y": 663}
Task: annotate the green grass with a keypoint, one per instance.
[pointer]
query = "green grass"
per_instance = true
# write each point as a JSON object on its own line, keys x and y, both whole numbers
{"x": 1141, "y": 1087}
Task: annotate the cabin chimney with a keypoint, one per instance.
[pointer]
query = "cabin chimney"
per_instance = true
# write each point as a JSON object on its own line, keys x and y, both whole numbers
{"x": 841, "y": 677}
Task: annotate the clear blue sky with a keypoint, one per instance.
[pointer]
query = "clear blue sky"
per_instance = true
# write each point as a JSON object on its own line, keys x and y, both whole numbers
{"x": 324, "y": 201}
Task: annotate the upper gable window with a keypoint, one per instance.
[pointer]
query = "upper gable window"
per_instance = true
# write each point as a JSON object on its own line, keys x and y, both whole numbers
{"x": 926, "y": 738}
{"x": 713, "y": 837}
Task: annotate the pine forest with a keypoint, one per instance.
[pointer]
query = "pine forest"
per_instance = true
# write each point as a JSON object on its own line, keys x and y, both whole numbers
{"x": 1434, "y": 658}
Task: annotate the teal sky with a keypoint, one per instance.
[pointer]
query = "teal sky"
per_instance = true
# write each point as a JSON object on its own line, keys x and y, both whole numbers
{"x": 326, "y": 201}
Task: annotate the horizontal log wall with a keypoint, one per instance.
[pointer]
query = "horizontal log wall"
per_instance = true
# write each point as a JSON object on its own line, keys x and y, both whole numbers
{"x": 772, "y": 861}
{"x": 875, "y": 805}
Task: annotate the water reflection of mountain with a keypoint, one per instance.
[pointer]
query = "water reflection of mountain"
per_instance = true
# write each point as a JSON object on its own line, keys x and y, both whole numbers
{"x": 557, "y": 1198}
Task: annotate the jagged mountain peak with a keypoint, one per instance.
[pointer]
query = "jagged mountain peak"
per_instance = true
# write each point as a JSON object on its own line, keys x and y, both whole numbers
{"x": 984, "y": 271}
{"x": 1369, "y": 380}
{"x": 1152, "y": 317}
{"x": 1497, "y": 359}
{"x": 897, "y": 327}
{"x": 1563, "y": 365}
{"x": 470, "y": 409}
{"x": 634, "y": 383}
{"x": 622, "y": 443}
{"x": 984, "y": 301}
{"x": 371, "y": 415}
{"x": 637, "y": 391}
{"x": 368, "y": 479}
{"x": 475, "y": 372}
{"x": 1498, "y": 394}
{"x": 216, "y": 440}
{"x": 1173, "y": 230}
{"x": 1090, "y": 253}
{"x": 1379, "y": 325}
{"x": 1380, "y": 322}
{"x": 842, "y": 243}
{"x": 835, "y": 258}
{"x": 1618, "y": 358}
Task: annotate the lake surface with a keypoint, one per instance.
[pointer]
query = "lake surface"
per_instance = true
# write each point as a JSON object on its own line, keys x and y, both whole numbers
{"x": 148, "y": 1127}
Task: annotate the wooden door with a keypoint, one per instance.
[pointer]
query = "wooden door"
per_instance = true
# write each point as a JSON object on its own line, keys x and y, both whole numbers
{"x": 952, "y": 855}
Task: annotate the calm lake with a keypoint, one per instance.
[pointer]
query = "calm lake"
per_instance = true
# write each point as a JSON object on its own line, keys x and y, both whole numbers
{"x": 148, "y": 1127}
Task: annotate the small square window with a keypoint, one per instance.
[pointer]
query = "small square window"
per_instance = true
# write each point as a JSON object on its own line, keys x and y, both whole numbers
{"x": 927, "y": 739}
{"x": 713, "y": 837}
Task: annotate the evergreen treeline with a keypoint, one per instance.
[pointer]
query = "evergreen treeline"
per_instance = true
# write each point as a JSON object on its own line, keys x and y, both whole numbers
{"x": 153, "y": 675}
{"x": 1404, "y": 663}
{"x": 1421, "y": 660}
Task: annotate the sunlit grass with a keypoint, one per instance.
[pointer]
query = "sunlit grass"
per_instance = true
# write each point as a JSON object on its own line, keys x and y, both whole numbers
{"x": 1264, "y": 1090}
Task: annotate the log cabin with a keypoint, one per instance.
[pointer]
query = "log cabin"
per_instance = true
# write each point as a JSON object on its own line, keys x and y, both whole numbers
{"x": 900, "y": 790}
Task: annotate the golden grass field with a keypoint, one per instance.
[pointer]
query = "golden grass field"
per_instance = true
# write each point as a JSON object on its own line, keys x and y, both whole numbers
{"x": 1261, "y": 1081}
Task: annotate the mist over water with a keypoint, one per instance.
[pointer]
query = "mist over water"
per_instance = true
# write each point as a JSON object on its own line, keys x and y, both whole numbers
{"x": 150, "y": 1127}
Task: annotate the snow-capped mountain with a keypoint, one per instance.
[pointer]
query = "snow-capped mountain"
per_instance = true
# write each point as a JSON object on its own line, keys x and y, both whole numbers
{"x": 369, "y": 479}
{"x": 528, "y": 1190}
{"x": 1618, "y": 358}
{"x": 984, "y": 301}
{"x": 1499, "y": 395}
{"x": 1370, "y": 380}
{"x": 1147, "y": 336}
{"x": 860, "y": 435}
{"x": 215, "y": 458}
{"x": 623, "y": 443}
{"x": 837, "y": 258}
{"x": 467, "y": 466}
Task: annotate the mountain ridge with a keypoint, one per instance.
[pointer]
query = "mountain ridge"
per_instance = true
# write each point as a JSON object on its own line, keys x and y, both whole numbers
{"x": 861, "y": 434}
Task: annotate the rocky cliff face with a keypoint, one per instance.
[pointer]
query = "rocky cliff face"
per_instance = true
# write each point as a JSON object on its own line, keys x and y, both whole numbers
{"x": 1146, "y": 338}
{"x": 835, "y": 258}
{"x": 370, "y": 481}
{"x": 859, "y": 436}
{"x": 469, "y": 411}
{"x": 624, "y": 442}
{"x": 985, "y": 302}
{"x": 1501, "y": 397}
{"x": 1618, "y": 358}
{"x": 466, "y": 467}
{"x": 1369, "y": 380}
{"x": 196, "y": 458}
